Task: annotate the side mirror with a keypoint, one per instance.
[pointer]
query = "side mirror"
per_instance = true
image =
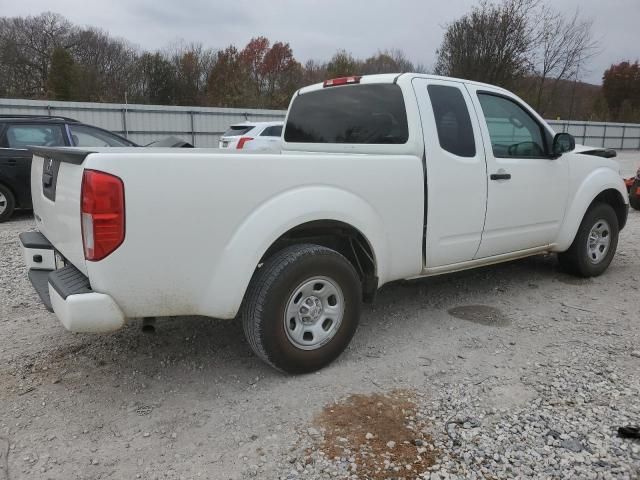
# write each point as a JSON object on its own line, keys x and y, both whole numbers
{"x": 562, "y": 143}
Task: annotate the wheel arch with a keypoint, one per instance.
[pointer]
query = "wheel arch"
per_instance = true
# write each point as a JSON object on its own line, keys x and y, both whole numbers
{"x": 603, "y": 185}
{"x": 341, "y": 237}
{"x": 320, "y": 213}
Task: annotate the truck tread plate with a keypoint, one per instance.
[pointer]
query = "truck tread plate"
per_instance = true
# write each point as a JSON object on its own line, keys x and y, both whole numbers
{"x": 40, "y": 281}
{"x": 69, "y": 281}
{"x": 35, "y": 240}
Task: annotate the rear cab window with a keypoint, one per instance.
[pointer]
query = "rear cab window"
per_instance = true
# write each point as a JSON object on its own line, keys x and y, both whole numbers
{"x": 237, "y": 130}
{"x": 354, "y": 114}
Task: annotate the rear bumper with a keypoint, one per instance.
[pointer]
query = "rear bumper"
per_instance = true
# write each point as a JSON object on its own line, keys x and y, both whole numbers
{"x": 67, "y": 291}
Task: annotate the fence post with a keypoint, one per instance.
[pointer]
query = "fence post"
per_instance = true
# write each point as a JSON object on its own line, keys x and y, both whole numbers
{"x": 624, "y": 127}
{"x": 48, "y": 110}
{"x": 584, "y": 134}
{"x": 193, "y": 129}
{"x": 124, "y": 123}
{"x": 604, "y": 135}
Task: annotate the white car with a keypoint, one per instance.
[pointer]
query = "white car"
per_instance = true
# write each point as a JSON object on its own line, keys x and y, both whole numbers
{"x": 381, "y": 178}
{"x": 254, "y": 136}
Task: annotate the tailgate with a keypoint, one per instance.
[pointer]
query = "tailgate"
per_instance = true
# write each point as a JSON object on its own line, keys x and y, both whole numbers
{"x": 56, "y": 179}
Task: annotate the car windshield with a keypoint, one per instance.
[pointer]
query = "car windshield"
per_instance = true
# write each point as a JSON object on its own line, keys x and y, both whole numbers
{"x": 236, "y": 130}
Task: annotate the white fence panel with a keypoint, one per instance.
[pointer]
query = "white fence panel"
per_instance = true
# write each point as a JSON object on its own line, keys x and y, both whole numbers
{"x": 202, "y": 126}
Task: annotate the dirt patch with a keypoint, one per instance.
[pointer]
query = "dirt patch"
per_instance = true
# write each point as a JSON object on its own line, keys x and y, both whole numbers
{"x": 481, "y": 314}
{"x": 379, "y": 433}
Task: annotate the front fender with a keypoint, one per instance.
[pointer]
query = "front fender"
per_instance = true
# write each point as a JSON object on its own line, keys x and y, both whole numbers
{"x": 595, "y": 183}
{"x": 263, "y": 226}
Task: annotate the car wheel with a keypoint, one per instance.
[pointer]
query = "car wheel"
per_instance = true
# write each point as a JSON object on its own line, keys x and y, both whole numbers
{"x": 634, "y": 195}
{"x": 302, "y": 308}
{"x": 7, "y": 203}
{"x": 595, "y": 243}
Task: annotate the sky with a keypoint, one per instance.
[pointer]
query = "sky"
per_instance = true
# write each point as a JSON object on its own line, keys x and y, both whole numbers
{"x": 315, "y": 29}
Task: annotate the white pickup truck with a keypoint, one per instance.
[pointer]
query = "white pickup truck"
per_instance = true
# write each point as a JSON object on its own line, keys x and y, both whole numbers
{"x": 381, "y": 178}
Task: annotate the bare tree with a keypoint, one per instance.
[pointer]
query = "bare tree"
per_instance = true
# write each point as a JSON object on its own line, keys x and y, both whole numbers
{"x": 492, "y": 43}
{"x": 27, "y": 45}
{"x": 388, "y": 61}
{"x": 561, "y": 45}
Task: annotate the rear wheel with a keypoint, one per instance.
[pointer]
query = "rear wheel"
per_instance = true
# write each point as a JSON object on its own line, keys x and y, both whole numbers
{"x": 302, "y": 308}
{"x": 595, "y": 243}
{"x": 7, "y": 203}
{"x": 634, "y": 195}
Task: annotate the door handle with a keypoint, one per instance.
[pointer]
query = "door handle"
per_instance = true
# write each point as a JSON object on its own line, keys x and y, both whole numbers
{"x": 500, "y": 176}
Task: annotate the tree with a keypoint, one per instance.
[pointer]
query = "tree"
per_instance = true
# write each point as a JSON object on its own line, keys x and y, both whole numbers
{"x": 27, "y": 45}
{"x": 389, "y": 61}
{"x": 561, "y": 45}
{"x": 192, "y": 64}
{"x": 62, "y": 79}
{"x": 621, "y": 89}
{"x": 282, "y": 75}
{"x": 156, "y": 79}
{"x": 342, "y": 64}
{"x": 490, "y": 44}
{"x": 252, "y": 58}
{"x": 228, "y": 80}
{"x": 106, "y": 67}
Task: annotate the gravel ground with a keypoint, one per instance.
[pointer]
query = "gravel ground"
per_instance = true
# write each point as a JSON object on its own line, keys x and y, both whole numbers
{"x": 511, "y": 371}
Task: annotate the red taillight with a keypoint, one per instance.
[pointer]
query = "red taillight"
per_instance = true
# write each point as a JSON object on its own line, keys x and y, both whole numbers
{"x": 102, "y": 214}
{"x": 334, "y": 82}
{"x": 242, "y": 141}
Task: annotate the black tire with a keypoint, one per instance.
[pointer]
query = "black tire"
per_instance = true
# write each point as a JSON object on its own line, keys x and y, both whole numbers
{"x": 634, "y": 199}
{"x": 577, "y": 260}
{"x": 271, "y": 289}
{"x": 7, "y": 206}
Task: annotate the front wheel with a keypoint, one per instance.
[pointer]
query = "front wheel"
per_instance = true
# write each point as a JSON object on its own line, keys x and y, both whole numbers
{"x": 595, "y": 243}
{"x": 302, "y": 308}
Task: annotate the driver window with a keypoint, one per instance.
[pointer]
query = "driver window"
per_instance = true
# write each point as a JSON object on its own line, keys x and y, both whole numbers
{"x": 514, "y": 133}
{"x": 21, "y": 136}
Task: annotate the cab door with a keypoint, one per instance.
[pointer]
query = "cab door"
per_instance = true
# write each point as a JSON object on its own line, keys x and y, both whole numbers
{"x": 456, "y": 174}
{"x": 527, "y": 187}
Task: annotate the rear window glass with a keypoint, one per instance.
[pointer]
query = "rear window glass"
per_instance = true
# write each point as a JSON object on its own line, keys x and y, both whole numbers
{"x": 364, "y": 114}
{"x": 275, "y": 131}
{"x": 237, "y": 130}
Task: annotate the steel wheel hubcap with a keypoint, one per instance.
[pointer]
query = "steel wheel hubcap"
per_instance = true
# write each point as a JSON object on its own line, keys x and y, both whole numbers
{"x": 314, "y": 313}
{"x": 598, "y": 241}
{"x": 3, "y": 203}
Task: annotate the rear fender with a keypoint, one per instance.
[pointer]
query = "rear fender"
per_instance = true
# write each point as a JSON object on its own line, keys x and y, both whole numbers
{"x": 251, "y": 240}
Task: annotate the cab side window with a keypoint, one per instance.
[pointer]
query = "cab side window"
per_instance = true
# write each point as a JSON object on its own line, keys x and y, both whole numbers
{"x": 514, "y": 132}
{"x": 22, "y": 136}
{"x": 84, "y": 136}
{"x": 453, "y": 123}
